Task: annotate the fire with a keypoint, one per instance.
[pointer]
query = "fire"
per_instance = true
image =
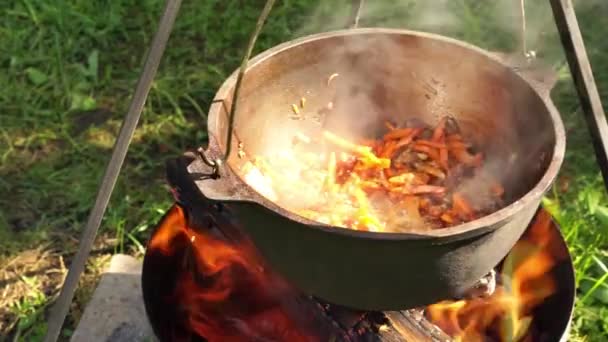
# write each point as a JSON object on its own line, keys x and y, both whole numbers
{"x": 507, "y": 314}
{"x": 225, "y": 292}
{"x": 408, "y": 180}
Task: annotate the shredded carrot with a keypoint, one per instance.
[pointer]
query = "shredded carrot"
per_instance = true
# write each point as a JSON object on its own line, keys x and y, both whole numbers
{"x": 375, "y": 184}
{"x": 439, "y": 130}
{"x": 426, "y": 189}
{"x": 407, "y": 139}
{"x": 433, "y": 144}
{"x": 389, "y": 149}
{"x": 443, "y": 158}
{"x": 398, "y": 133}
{"x": 431, "y": 152}
{"x": 461, "y": 205}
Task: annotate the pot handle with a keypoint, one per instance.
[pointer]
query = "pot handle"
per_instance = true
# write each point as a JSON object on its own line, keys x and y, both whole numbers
{"x": 192, "y": 181}
{"x": 216, "y": 162}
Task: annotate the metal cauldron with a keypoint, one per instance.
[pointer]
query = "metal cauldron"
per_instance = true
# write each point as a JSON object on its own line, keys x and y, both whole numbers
{"x": 396, "y": 74}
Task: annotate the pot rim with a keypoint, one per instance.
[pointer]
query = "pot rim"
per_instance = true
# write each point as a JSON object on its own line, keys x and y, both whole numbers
{"x": 462, "y": 231}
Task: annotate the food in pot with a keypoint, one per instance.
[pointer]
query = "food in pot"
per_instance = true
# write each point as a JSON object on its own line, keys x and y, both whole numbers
{"x": 413, "y": 178}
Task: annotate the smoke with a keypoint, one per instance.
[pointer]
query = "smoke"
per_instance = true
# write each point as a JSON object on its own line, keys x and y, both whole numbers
{"x": 380, "y": 80}
{"x": 492, "y": 25}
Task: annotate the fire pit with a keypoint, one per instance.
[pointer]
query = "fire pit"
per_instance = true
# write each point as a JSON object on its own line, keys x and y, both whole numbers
{"x": 393, "y": 75}
{"x": 204, "y": 280}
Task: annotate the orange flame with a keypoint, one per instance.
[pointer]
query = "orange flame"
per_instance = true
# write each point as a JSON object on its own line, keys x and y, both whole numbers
{"x": 225, "y": 292}
{"x": 507, "y": 313}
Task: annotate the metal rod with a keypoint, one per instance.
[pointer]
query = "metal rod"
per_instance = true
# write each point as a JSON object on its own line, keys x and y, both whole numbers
{"x": 522, "y": 9}
{"x": 239, "y": 79}
{"x": 356, "y": 9}
{"x": 574, "y": 48}
{"x": 62, "y": 306}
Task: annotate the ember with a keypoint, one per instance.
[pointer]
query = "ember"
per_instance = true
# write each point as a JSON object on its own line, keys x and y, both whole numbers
{"x": 407, "y": 180}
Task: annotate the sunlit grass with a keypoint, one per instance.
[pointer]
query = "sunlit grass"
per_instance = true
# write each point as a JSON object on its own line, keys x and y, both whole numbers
{"x": 69, "y": 68}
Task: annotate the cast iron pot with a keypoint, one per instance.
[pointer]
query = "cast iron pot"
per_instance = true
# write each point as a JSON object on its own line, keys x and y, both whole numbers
{"x": 384, "y": 74}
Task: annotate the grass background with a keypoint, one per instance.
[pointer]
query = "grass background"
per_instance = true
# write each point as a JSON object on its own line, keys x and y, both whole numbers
{"x": 68, "y": 69}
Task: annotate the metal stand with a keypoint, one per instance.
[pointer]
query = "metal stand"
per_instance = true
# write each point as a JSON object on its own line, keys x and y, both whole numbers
{"x": 582, "y": 75}
{"x": 62, "y": 306}
{"x": 565, "y": 20}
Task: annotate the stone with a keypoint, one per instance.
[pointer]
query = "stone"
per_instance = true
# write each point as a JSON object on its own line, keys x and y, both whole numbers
{"x": 116, "y": 311}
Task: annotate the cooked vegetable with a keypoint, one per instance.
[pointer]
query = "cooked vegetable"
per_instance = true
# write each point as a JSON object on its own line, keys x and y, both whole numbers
{"x": 408, "y": 180}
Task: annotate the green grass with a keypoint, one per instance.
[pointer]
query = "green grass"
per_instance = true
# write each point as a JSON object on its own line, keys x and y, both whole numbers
{"x": 68, "y": 69}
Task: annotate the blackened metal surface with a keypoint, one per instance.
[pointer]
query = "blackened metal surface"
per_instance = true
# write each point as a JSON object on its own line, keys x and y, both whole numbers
{"x": 499, "y": 108}
{"x": 343, "y": 268}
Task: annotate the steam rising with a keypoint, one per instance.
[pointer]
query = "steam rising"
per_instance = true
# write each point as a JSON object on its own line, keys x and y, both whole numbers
{"x": 492, "y": 25}
{"x": 366, "y": 94}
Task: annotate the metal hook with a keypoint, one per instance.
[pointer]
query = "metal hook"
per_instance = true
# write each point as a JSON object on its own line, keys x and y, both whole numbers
{"x": 214, "y": 164}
